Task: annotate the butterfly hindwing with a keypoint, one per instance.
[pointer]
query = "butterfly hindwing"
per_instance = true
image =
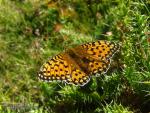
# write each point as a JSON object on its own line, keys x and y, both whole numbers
{"x": 78, "y": 77}
{"x": 98, "y": 67}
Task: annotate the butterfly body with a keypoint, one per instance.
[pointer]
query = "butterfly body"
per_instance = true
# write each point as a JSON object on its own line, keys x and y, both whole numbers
{"x": 77, "y": 65}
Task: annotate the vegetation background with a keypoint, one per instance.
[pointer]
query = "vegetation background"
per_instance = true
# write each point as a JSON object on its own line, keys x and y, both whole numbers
{"x": 33, "y": 30}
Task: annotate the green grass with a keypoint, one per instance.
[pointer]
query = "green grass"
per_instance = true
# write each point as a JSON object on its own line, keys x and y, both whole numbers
{"x": 29, "y": 36}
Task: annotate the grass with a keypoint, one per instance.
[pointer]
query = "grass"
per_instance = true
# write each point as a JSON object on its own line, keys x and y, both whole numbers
{"x": 31, "y": 32}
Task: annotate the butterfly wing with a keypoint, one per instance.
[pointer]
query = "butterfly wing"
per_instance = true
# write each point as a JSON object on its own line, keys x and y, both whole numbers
{"x": 102, "y": 50}
{"x": 62, "y": 68}
{"x": 97, "y": 55}
{"x": 55, "y": 69}
{"x": 78, "y": 77}
{"x": 99, "y": 67}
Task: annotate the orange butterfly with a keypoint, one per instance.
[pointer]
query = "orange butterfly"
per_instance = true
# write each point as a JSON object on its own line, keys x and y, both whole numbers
{"x": 77, "y": 65}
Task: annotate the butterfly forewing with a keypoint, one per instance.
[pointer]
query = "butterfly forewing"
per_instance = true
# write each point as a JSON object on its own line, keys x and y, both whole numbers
{"x": 103, "y": 50}
{"x": 56, "y": 68}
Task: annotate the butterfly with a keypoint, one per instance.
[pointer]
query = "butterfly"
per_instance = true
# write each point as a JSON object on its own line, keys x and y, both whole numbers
{"x": 77, "y": 65}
